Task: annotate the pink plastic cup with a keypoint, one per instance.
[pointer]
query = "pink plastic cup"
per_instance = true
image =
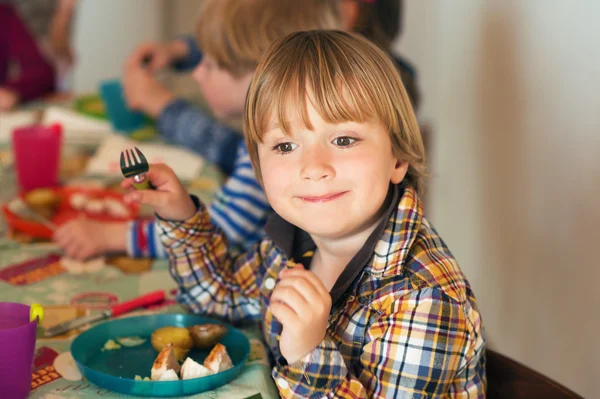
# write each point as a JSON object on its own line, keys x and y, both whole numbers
{"x": 17, "y": 347}
{"x": 37, "y": 153}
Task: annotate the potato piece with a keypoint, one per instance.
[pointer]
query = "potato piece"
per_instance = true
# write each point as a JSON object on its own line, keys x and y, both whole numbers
{"x": 43, "y": 201}
{"x": 205, "y": 336}
{"x": 42, "y": 197}
{"x": 178, "y": 336}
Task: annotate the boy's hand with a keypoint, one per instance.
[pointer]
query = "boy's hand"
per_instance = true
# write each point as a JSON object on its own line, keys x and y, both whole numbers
{"x": 302, "y": 304}
{"x": 82, "y": 238}
{"x": 144, "y": 92}
{"x": 156, "y": 56}
{"x": 8, "y": 99}
{"x": 169, "y": 198}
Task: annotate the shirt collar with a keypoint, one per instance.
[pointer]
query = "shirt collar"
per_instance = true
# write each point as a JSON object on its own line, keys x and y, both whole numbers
{"x": 286, "y": 236}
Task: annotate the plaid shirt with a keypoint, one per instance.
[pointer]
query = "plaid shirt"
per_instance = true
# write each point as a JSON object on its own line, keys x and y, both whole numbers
{"x": 407, "y": 327}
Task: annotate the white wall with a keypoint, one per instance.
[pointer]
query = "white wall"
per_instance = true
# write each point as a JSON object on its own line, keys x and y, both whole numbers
{"x": 512, "y": 90}
{"x": 106, "y": 31}
{"x": 182, "y": 16}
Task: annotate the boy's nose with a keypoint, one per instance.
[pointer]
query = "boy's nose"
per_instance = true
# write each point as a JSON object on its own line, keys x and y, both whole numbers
{"x": 317, "y": 166}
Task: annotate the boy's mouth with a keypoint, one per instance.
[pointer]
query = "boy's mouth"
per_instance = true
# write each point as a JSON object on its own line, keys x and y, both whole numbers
{"x": 323, "y": 198}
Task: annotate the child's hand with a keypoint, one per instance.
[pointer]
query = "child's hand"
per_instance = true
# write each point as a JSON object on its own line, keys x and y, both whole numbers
{"x": 156, "y": 56}
{"x": 8, "y": 99}
{"x": 169, "y": 198}
{"x": 82, "y": 238}
{"x": 302, "y": 304}
{"x": 144, "y": 92}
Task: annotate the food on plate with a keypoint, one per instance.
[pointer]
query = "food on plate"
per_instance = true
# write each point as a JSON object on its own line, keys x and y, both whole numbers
{"x": 78, "y": 201}
{"x": 115, "y": 208}
{"x": 169, "y": 375}
{"x": 165, "y": 365}
{"x": 190, "y": 369}
{"x": 130, "y": 342}
{"x": 85, "y": 203}
{"x": 94, "y": 206}
{"x": 139, "y": 378}
{"x": 205, "y": 336}
{"x": 179, "y": 337}
{"x": 43, "y": 201}
{"x": 218, "y": 360}
{"x": 175, "y": 342}
{"x": 111, "y": 345}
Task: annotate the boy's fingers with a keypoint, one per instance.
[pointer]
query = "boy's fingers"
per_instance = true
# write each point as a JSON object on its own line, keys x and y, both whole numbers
{"x": 291, "y": 297}
{"x": 301, "y": 285}
{"x": 160, "y": 174}
{"x": 127, "y": 183}
{"x": 286, "y": 316}
{"x": 308, "y": 275}
{"x": 147, "y": 197}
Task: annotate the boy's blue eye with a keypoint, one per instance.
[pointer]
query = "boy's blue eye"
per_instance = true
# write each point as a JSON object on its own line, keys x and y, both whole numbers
{"x": 344, "y": 141}
{"x": 285, "y": 148}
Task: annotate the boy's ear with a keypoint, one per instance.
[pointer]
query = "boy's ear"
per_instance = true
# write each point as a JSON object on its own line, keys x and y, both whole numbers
{"x": 400, "y": 170}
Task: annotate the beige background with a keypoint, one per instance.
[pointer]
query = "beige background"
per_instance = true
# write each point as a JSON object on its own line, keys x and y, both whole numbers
{"x": 512, "y": 90}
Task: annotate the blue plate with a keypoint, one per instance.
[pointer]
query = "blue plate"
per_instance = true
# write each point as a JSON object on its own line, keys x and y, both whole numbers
{"x": 116, "y": 369}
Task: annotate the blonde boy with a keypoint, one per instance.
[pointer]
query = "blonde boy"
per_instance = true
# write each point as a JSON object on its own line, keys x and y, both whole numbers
{"x": 358, "y": 295}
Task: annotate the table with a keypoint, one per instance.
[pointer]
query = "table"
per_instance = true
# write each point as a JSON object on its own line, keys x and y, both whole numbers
{"x": 69, "y": 293}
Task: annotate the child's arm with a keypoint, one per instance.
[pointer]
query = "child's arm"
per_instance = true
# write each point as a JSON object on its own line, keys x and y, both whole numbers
{"x": 210, "y": 281}
{"x": 82, "y": 238}
{"x": 421, "y": 346}
{"x": 183, "y": 124}
{"x": 240, "y": 209}
{"x": 143, "y": 240}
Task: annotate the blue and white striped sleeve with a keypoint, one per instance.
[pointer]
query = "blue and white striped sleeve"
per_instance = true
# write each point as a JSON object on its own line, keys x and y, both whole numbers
{"x": 183, "y": 124}
{"x": 240, "y": 208}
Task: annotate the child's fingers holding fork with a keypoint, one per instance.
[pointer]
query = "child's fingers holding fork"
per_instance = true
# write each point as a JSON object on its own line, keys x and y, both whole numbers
{"x": 169, "y": 198}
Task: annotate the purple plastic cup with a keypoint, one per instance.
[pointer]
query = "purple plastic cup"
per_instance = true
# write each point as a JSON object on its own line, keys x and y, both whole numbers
{"x": 17, "y": 347}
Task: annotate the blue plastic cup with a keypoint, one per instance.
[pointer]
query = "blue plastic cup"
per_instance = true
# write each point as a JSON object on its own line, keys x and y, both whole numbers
{"x": 122, "y": 118}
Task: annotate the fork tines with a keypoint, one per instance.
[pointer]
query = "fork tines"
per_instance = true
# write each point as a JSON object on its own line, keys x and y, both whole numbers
{"x": 130, "y": 165}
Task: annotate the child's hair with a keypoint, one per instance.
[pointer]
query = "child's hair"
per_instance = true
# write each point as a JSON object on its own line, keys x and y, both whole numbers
{"x": 379, "y": 20}
{"x": 237, "y": 32}
{"x": 346, "y": 78}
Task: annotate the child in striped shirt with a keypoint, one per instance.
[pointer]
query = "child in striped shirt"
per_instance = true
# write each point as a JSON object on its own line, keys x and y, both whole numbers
{"x": 358, "y": 295}
{"x": 240, "y": 207}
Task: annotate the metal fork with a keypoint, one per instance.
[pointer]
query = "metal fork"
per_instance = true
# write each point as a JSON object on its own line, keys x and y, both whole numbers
{"x": 135, "y": 168}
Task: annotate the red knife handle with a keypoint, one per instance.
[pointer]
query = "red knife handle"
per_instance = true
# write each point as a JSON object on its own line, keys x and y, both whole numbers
{"x": 148, "y": 299}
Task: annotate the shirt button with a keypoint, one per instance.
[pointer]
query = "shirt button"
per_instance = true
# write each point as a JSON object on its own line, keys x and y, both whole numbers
{"x": 270, "y": 283}
{"x": 282, "y": 382}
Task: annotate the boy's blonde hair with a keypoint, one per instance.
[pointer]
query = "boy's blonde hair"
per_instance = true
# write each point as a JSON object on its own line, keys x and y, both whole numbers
{"x": 346, "y": 78}
{"x": 237, "y": 32}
